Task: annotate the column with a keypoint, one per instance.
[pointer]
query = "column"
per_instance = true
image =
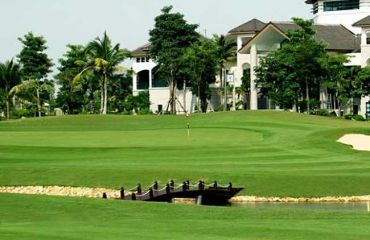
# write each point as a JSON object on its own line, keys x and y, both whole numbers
{"x": 134, "y": 83}
{"x": 253, "y": 95}
{"x": 150, "y": 79}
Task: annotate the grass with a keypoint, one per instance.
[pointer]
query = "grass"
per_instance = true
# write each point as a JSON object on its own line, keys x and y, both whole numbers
{"x": 269, "y": 153}
{"x": 37, "y": 217}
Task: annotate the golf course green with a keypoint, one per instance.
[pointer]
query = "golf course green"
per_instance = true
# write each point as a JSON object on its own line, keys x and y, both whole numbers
{"x": 268, "y": 153}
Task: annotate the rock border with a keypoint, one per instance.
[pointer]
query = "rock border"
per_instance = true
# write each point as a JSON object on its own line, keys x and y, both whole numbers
{"x": 114, "y": 193}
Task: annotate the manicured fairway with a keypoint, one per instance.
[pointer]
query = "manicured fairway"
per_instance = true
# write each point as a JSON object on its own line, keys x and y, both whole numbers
{"x": 269, "y": 153}
{"x": 36, "y": 217}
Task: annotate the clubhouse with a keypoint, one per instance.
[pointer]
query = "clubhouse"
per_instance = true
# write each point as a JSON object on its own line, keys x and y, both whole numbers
{"x": 343, "y": 24}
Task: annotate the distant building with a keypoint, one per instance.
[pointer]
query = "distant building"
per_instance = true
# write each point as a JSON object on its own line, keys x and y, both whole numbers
{"x": 343, "y": 24}
{"x": 147, "y": 77}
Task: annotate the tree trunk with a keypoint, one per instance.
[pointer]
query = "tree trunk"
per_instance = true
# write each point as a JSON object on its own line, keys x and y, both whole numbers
{"x": 221, "y": 84}
{"x": 105, "y": 102}
{"x": 307, "y": 97}
{"x": 185, "y": 110}
{"x": 7, "y": 109}
{"x": 38, "y": 102}
{"x": 101, "y": 99}
{"x": 172, "y": 100}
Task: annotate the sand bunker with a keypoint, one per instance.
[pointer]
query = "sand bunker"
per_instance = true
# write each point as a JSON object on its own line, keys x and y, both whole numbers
{"x": 357, "y": 141}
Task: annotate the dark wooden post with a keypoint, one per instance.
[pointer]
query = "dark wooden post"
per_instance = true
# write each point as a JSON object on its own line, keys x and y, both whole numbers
{"x": 155, "y": 185}
{"x": 105, "y": 196}
{"x": 133, "y": 196}
{"x": 215, "y": 185}
{"x": 230, "y": 186}
{"x": 151, "y": 193}
{"x": 184, "y": 187}
{"x": 122, "y": 193}
{"x": 172, "y": 184}
{"x": 138, "y": 189}
{"x": 201, "y": 185}
{"x": 168, "y": 189}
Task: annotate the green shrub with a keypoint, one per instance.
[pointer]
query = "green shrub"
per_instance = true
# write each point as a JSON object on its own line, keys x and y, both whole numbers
{"x": 19, "y": 113}
{"x": 323, "y": 112}
{"x": 348, "y": 116}
{"x": 359, "y": 118}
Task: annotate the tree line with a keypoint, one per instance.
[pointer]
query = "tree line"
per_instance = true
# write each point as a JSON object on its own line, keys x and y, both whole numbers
{"x": 293, "y": 76}
{"x": 91, "y": 79}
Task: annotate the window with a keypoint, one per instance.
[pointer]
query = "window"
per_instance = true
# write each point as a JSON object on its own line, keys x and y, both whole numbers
{"x": 368, "y": 37}
{"x": 341, "y": 5}
{"x": 138, "y": 60}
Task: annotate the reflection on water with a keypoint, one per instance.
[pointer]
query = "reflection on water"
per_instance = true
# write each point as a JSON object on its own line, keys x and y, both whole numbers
{"x": 360, "y": 207}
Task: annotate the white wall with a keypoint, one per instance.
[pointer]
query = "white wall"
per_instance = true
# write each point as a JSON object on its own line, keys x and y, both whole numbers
{"x": 160, "y": 96}
{"x": 345, "y": 17}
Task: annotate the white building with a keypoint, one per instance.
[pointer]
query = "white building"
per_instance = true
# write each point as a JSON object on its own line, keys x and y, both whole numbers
{"x": 343, "y": 24}
{"x": 146, "y": 77}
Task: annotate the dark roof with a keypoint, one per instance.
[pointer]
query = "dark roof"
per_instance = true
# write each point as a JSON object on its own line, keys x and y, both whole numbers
{"x": 338, "y": 37}
{"x": 253, "y": 26}
{"x": 141, "y": 51}
{"x": 310, "y": 1}
{"x": 363, "y": 22}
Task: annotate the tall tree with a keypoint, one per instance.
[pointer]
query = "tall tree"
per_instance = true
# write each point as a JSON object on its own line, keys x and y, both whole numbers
{"x": 169, "y": 39}
{"x": 294, "y": 71}
{"x": 35, "y": 67}
{"x": 70, "y": 96}
{"x": 200, "y": 63}
{"x": 34, "y": 61}
{"x": 361, "y": 83}
{"x": 35, "y": 91}
{"x": 9, "y": 77}
{"x": 103, "y": 59}
{"x": 226, "y": 50}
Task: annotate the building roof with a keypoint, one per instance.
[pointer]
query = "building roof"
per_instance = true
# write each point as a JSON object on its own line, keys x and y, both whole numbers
{"x": 338, "y": 37}
{"x": 141, "y": 51}
{"x": 251, "y": 26}
{"x": 311, "y": 1}
{"x": 363, "y": 22}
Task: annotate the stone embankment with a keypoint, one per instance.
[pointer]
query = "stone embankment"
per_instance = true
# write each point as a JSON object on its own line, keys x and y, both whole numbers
{"x": 253, "y": 199}
{"x": 114, "y": 193}
{"x": 61, "y": 191}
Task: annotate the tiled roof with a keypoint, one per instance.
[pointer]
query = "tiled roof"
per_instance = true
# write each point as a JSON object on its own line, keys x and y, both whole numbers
{"x": 363, "y": 22}
{"x": 338, "y": 37}
{"x": 252, "y": 26}
{"x": 141, "y": 51}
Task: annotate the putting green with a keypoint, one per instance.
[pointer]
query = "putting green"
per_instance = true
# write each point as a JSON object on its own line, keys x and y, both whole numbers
{"x": 268, "y": 153}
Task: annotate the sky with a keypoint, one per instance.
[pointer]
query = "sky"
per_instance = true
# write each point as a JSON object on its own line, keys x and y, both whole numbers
{"x": 127, "y": 22}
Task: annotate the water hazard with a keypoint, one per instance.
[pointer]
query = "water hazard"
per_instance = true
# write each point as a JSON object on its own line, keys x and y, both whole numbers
{"x": 350, "y": 207}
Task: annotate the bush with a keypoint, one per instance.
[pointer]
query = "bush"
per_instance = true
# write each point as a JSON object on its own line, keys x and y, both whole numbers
{"x": 139, "y": 103}
{"x": 323, "y": 112}
{"x": 348, "y": 116}
{"x": 359, "y": 118}
{"x": 19, "y": 113}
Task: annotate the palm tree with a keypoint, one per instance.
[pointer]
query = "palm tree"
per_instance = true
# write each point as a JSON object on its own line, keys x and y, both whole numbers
{"x": 32, "y": 90}
{"x": 103, "y": 60}
{"x": 226, "y": 49}
{"x": 9, "y": 77}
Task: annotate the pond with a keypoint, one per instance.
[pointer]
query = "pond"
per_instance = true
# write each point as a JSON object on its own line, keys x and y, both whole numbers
{"x": 353, "y": 207}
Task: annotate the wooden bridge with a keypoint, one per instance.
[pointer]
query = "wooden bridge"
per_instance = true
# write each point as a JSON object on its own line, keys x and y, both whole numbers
{"x": 212, "y": 194}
